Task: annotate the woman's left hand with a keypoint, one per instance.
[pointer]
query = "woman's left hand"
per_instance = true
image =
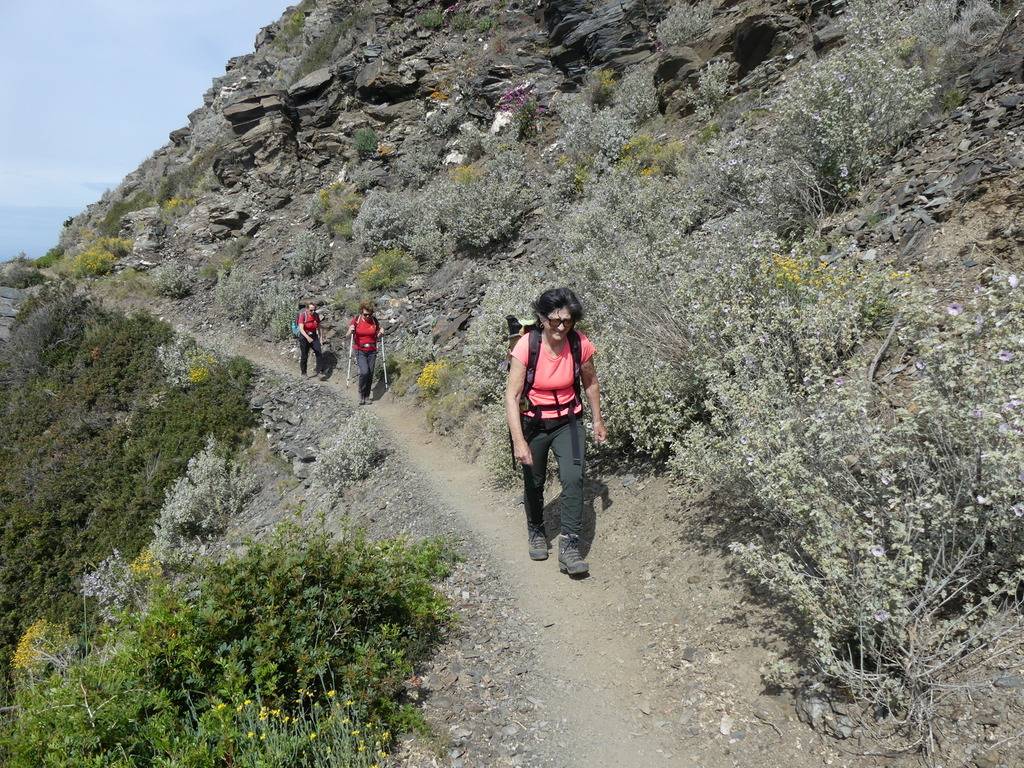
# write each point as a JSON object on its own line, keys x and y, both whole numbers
{"x": 600, "y": 432}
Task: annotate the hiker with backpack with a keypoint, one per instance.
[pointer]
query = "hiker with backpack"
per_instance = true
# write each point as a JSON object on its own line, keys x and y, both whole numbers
{"x": 550, "y": 367}
{"x": 307, "y": 328}
{"x": 364, "y": 331}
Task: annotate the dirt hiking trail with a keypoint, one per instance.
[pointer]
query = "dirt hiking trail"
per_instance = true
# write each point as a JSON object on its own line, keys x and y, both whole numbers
{"x": 650, "y": 661}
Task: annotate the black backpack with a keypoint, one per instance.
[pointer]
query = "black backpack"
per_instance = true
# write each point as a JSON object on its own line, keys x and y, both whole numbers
{"x": 534, "y": 414}
{"x": 575, "y": 347}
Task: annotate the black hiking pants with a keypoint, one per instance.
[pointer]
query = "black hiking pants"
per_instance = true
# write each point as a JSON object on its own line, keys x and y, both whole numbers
{"x": 304, "y": 347}
{"x": 366, "y": 361}
{"x": 555, "y": 435}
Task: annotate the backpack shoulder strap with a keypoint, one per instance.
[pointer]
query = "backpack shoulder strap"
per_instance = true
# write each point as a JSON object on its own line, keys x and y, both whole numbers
{"x": 576, "y": 347}
{"x": 531, "y": 360}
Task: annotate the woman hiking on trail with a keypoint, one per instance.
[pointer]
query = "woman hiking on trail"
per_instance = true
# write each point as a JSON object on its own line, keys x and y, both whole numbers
{"x": 550, "y": 366}
{"x": 364, "y": 330}
{"x": 308, "y": 323}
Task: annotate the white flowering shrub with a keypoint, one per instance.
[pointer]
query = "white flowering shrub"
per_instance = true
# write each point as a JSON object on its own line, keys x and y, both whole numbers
{"x": 893, "y": 528}
{"x": 173, "y": 281}
{"x": 685, "y": 23}
{"x": 483, "y": 208}
{"x": 184, "y": 363}
{"x": 117, "y": 584}
{"x": 199, "y": 505}
{"x": 842, "y": 115}
{"x": 238, "y": 293}
{"x": 941, "y": 36}
{"x": 595, "y": 138}
{"x": 311, "y": 254}
{"x": 712, "y": 89}
{"x": 357, "y": 449}
{"x": 472, "y": 207}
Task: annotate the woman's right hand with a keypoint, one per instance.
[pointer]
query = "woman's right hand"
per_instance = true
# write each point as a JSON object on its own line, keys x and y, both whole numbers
{"x": 523, "y": 453}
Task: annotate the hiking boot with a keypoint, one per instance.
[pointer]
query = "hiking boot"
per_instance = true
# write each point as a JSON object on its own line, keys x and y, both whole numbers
{"x": 569, "y": 560}
{"x": 538, "y": 542}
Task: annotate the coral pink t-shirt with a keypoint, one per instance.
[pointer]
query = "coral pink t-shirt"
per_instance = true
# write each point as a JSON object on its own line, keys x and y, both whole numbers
{"x": 554, "y": 375}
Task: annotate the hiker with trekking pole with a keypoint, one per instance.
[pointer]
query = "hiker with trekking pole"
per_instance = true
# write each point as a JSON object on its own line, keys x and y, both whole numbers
{"x": 551, "y": 366}
{"x": 364, "y": 335}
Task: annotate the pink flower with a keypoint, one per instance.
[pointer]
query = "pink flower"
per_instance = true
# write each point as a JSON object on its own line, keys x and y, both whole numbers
{"x": 1005, "y": 355}
{"x": 955, "y": 309}
{"x": 882, "y": 615}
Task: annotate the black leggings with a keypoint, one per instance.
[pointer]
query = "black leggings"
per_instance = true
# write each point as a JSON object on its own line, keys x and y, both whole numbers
{"x": 304, "y": 347}
{"x": 366, "y": 362}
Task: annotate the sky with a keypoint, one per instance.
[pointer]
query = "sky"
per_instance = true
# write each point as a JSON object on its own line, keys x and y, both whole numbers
{"x": 90, "y": 88}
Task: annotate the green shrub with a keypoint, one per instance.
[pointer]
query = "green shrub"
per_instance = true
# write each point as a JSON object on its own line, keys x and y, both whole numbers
{"x": 337, "y": 207}
{"x": 298, "y": 626}
{"x": 365, "y": 142}
{"x": 431, "y": 19}
{"x": 20, "y": 272}
{"x": 50, "y": 258}
{"x": 96, "y": 436}
{"x": 110, "y": 225}
{"x": 387, "y": 270}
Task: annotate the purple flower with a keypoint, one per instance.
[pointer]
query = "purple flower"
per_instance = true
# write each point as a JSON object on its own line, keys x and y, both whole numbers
{"x": 882, "y": 615}
{"x": 1013, "y": 280}
{"x": 955, "y": 309}
{"x": 877, "y": 551}
{"x": 1005, "y": 355}
{"x": 840, "y": 381}
{"x": 1018, "y": 510}
{"x": 919, "y": 365}
{"x": 982, "y": 499}
{"x": 744, "y": 440}
{"x": 977, "y": 413}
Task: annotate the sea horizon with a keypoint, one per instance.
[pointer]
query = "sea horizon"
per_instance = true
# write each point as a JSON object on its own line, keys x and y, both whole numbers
{"x": 32, "y": 229}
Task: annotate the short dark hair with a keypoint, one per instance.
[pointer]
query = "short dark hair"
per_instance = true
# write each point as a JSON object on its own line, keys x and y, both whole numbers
{"x": 558, "y": 298}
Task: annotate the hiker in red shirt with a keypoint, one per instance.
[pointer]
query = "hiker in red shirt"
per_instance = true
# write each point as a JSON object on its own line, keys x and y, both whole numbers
{"x": 550, "y": 370}
{"x": 308, "y": 323}
{"x": 364, "y": 330}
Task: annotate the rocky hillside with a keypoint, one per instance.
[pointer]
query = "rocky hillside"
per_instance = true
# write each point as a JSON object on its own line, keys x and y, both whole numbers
{"x": 795, "y": 226}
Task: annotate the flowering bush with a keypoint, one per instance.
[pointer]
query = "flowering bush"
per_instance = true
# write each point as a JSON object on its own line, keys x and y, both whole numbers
{"x": 685, "y": 23}
{"x": 117, "y": 585}
{"x": 355, "y": 452}
{"x": 336, "y": 207}
{"x": 311, "y": 254}
{"x": 100, "y": 256}
{"x": 172, "y": 281}
{"x": 712, "y": 89}
{"x": 429, "y": 380}
{"x": 520, "y": 101}
{"x": 235, "y": 668}
{"x": 184, "y": 363}
{"x": 389, "y": 269}
{"x": 595, "y": 138}
{"x": 44, "y": 644}
{"x": 470, "y": 211}
{"x": 893, "y": 530}
{"x": 199, "y": 505}
{"x": 840, "y": 116}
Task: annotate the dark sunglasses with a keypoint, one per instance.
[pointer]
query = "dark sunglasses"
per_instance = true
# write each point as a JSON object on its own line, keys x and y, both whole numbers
{"x": 560, "y": 322}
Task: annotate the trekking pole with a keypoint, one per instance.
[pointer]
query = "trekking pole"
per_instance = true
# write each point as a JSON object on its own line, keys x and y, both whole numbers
{"x": 384, "y": 362}
{"x": 348, "y": 373}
